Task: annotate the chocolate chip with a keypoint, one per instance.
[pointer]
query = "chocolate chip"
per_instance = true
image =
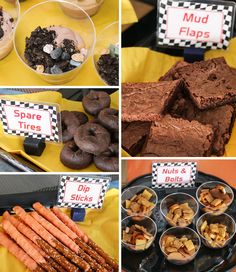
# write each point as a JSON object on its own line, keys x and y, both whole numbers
{"x": 56, "y": 53}
{"x": 56, "y": 70}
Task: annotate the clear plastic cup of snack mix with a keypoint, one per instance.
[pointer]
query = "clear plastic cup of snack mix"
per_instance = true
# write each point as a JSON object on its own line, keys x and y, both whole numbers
{"x": 50, "y": 15}
{"x": 107, "y": 41}
{"x": 130, "y": 194}
{"x": 207, "y": 207}
{"x": 214, "y": 236}
{"x": 181, "y": 216}
{"x": 9, "y": 16}
{"x": 180, "y": 233}
{"x": 90, "y": 6}
{"x": 140, "y": 245}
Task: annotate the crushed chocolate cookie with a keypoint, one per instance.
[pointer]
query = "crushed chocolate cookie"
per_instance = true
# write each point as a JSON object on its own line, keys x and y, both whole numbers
{"x": 44, "y": 55}
{"x": 108, "y": 65}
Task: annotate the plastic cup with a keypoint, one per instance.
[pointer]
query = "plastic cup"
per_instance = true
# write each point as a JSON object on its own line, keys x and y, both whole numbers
{"x": 180, "y": 232}
{"x": 132, "y": 191}
{"x": 213, "y": 219}
{"x": 47, "y": 14}
{"x": 147, "y": 223}
{"x": 178, "y": 198}
{"x": 211, "y": 185}
{"x": 11, "y": 9}
{"x": 109, "y": 35}
{"x": 91, "y": 9}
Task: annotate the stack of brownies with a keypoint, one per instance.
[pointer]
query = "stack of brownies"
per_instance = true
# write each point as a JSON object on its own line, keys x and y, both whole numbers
{"x": 189, "y": 112}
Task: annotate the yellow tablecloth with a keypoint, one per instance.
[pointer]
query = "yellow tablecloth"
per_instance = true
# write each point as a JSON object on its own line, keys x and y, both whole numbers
{"x": 50, "y": 159}
{"x": 14, "y": 73}
{"x": 128, "y": 14}
{"x": 101, "y": 225}
{"x": 143, "y": 65}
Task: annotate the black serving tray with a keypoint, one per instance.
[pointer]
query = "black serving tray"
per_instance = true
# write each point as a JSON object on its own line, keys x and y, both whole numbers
{"x": 152, "y": 260}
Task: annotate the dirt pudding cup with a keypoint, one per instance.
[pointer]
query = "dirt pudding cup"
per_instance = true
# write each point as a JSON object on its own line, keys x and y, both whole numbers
{"x": 9, "y": 14}
{"x": 53, "y": 45}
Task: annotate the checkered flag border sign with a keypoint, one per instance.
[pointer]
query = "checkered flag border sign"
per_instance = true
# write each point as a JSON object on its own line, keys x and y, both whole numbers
{"x": 105, "y": 181}
{"x": 52, "y": 109}
{"x": 228, "y": 9}
{"x": 191, "y": 182}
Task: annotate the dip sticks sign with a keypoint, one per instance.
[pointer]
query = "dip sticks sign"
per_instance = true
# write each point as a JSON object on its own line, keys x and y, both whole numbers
{"x": 193, "y": 24}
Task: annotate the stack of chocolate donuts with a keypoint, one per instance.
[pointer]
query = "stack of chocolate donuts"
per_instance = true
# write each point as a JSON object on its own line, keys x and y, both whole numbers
{"x": 91, "y": 141}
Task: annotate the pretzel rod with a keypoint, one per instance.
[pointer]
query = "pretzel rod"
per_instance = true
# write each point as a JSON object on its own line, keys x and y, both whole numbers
{"x": 101, "y": 252}
{"x": 72, "y": 256}
{"x": 19, "y": 253}
{"x": 29, "y": 233}
{"x": 33, "y": 224}
{"x": 69, "y": 223}
{"x": 88, "y": 250}
{"x": 56, "y": 232}
{"x": 67, "y": 241}
{"x": 51, "y": 217}
{"x": 41, "y": 231}
{"x": 26, "y": 245}
{"x": 21, "y": 227}
{"x": 57, "y": 256}
{"x": 55, "y": 265}
{"x": 74, "y": 227}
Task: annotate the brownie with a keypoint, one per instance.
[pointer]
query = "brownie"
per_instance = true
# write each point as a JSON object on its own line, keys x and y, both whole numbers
{"x": 210, "y": 83}
{"x": 221, "y": 118}
{"x": 169, "y": 75}
{"x": 174, "y": 137}
{"x": 148, "y": 101}
{"x": 134, "y": 135}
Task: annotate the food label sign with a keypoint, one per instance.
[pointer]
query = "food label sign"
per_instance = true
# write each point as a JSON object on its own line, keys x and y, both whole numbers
{"x": 192, "y": 24}
{"x": 28, "y": 119}
{"x": 81, "y": 192}
{"x": 173, "y": 175}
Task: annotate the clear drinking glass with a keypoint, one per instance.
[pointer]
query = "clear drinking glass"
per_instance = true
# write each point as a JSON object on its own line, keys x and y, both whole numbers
{"x": 211, "y": 185}
{"x": 178, "y": 198}
{"x": 213, "y": 219}
{"x": 180, "y": 232}
{"x": 147, "y": 223}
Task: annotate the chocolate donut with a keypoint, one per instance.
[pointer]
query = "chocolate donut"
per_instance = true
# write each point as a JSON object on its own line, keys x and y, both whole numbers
{"x": 71, "y": 120}
{"x": 92, "y": 138}
{"x": 108, "y": 161}
{"x": 95, "y": 101}
{"x": 73, "y": 157}
{"x": 109, "y": 119}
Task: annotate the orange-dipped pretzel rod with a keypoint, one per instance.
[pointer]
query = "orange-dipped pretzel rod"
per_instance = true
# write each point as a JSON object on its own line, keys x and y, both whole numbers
{"x": 67, "y": 241}
{"x": 32, "y": 236}
{"x": 21, "y": 227}
{"x": 19, "y": 253}
{"x": 74, "y": 227}
{"x": 69, "y": 223}
{"x": 55, "y": 232}
{"x": 60, "y": 224}
{"x": 41, "y": 231}
{"x": 24, "y": 243}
